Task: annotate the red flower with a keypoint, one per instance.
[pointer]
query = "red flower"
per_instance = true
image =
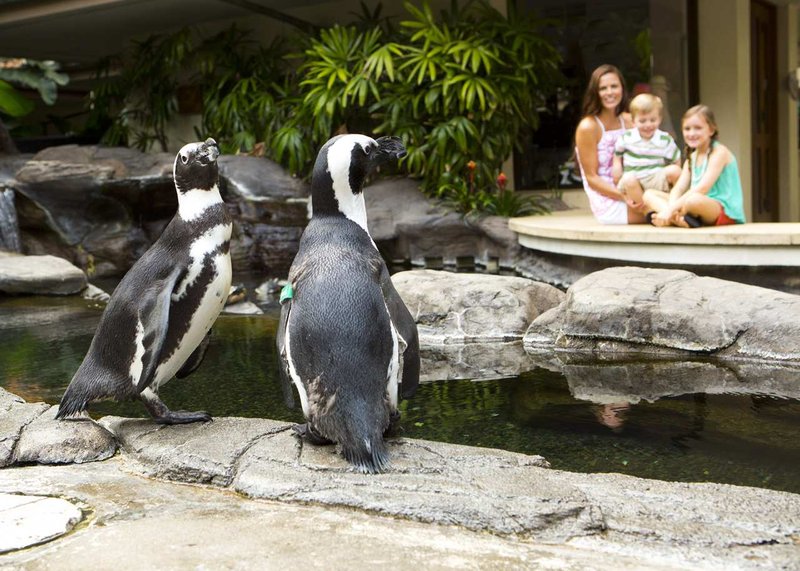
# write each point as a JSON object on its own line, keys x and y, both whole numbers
{"x": 501, "y": 181}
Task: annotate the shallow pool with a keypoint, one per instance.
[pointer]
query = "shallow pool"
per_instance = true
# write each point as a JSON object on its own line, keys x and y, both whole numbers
{"x": 588, "y": 418}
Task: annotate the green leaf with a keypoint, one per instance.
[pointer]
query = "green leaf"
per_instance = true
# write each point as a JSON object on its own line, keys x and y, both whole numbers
{"x": 14, "y": 103}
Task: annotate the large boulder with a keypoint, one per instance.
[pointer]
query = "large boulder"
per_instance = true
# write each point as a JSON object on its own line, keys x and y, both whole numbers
{"x": 40, "y": 275}
{"x": 465, "y": 308}
{"x": 101, "y": 207}
{"x": 407, "y": 225}
{"x": 670, "y": 312}
{"x": 270, "y": 211}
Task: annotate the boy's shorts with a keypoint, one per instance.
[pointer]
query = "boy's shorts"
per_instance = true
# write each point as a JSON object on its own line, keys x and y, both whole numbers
{"x": 656, "y": 180}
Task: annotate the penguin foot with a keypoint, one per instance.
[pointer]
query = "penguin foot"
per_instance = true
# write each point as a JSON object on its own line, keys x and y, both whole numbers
{"x": 182, "y": 417}
{"x": 309, "y": 434}
{"x": 394, "y": 428}
{"x": 163, "y": 415}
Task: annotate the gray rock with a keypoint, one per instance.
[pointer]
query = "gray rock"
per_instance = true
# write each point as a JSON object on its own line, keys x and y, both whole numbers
{"x": 40, "y": 275}
{"x": 94, "y": 293}
{"x": 15, "y": 415}
{"x": 199, "y": 527}
{"x": 673, "y": 312}
{"x": 32, "y": 520}
{"x": 525, "y": 506}
{"x": 103, "y": 207}
{"x": 270, "y": 212}
{"x": 243, "y": 308}
{"x": 50, "y": 441}
{"x": 428, "y": 482}
{"x": 200, "y": 453}
{"x": 407, "y": 225}
{"x": 460, "y": 308}
{"x": 258, "y": 178}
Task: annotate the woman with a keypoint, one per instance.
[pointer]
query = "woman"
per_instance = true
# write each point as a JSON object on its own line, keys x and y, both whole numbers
{"x": 604, "y": 120}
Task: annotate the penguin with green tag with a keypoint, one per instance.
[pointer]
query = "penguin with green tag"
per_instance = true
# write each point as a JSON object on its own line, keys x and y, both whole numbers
{"x": 346, "y": 341}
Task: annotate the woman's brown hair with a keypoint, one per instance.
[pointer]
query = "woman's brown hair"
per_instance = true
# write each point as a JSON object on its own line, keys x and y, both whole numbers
{"x": 592, "y": 105}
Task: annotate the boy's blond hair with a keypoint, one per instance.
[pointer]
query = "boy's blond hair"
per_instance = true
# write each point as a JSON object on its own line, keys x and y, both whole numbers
{"x": 646, "y": 103}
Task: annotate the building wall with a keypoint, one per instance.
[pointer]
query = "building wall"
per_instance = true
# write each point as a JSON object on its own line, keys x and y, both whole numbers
{"x": 724, "y": 72}
{"x": 789, "y": 151}
{"x": 724, "y": 76}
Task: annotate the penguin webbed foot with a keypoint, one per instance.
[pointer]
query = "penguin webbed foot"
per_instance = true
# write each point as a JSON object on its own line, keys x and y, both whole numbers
{"x": 394, "y": 428}
{"x": 182, "y": 417}
{"x": 163, "y": 415}
{"x": 306, "y": 432}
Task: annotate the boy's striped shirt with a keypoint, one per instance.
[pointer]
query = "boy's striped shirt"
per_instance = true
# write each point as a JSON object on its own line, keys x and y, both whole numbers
{"x": 643, "y": 157}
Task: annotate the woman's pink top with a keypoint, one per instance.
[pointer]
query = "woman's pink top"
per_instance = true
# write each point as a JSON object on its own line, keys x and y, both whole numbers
{"x": 600, "y": 203}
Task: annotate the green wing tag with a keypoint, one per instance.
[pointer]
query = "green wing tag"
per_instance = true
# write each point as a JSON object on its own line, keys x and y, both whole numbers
{"x": 286, "y": 293}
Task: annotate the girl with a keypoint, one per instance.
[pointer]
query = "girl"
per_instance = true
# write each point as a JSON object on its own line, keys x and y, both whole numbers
{"x": 604, "y": 120}
{"x": 709, "y": 191}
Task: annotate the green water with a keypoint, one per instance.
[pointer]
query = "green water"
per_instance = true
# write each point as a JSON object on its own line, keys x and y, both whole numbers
{"x": 729, "y": 438}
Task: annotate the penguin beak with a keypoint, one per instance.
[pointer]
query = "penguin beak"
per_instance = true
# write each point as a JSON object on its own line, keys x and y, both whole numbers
{"x": 390, "y": 149}
{"x": 209, "y": 152}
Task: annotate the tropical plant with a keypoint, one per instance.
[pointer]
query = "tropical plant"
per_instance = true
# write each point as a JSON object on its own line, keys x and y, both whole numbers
{"x": 43, "y": 76}
{"x": 454, "y": 88}
{"x": 142, "y": 89}
{"x": 471, "y": 195}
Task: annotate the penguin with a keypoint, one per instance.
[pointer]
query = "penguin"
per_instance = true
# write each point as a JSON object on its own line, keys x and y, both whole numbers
{"x": 157, "y": 323}
{"x": 346, "y": 341}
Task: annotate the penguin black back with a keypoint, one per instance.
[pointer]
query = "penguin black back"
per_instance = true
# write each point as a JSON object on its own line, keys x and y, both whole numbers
{"x": 338, "y": 340}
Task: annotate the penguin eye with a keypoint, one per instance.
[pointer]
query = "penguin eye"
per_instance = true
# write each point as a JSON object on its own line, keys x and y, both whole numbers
{"x": 184, "y": 159}
{"x": 367, "y": 150}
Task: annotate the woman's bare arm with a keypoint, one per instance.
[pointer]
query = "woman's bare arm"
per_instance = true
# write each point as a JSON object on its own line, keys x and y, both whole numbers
{"x": 586, "y": 138}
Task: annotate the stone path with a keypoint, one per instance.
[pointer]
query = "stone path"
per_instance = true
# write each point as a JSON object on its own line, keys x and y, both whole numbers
{"x": 246, "y": 493}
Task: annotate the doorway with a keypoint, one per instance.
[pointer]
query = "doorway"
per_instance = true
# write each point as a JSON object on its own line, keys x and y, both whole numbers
{"x": 764, "y": 97}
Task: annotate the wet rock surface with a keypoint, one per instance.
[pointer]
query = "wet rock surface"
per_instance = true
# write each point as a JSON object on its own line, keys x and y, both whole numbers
{"x": 39, "y": 275}
{"x": 465, "y": 490}
{"x": 30, "y": 520}
{"x": 463, "y": 308}
{"x": 671, "y": 312}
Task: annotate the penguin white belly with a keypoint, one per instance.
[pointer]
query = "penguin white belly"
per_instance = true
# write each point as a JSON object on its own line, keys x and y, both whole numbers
{"x": 210, "y": 305}
{"x": 298, "y": 382}
{"x": 395, "y": 366}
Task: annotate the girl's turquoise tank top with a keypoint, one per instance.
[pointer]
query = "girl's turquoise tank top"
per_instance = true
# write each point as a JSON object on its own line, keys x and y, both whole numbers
{"x": 727, "y": 190}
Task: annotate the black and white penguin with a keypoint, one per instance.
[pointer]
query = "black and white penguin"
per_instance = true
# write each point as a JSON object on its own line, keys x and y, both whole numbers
{"x": 157, "y": 321}
{"x": 346, "y": 340}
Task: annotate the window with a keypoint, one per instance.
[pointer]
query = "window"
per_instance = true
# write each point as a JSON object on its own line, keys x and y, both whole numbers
{"x": 646, "y": 39}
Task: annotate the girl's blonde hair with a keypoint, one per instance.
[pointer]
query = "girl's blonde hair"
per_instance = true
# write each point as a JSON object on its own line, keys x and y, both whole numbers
{"x": 708, "y": 115}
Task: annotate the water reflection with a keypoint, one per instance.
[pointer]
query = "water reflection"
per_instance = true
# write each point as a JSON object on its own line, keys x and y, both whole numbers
{"x": 684, "y": 421}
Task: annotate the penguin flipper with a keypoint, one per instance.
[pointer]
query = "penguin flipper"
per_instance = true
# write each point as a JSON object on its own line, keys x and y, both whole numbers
{"x": 286, "y": 381}
{"x": 194, "y": 360}
{"x": 154, "y": 316}
{"x": 407, "y": 328}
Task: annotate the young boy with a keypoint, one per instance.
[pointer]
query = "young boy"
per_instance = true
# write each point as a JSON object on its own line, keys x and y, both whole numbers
{"x": 645, "y": 156}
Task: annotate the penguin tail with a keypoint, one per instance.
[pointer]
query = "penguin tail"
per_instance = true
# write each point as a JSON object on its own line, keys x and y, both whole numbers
{"x": 368, "y": 456}
{"x": 73, "y": 403}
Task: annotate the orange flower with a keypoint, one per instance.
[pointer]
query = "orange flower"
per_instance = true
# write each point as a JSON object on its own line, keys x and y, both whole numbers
{"x": 471, "y": 165}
